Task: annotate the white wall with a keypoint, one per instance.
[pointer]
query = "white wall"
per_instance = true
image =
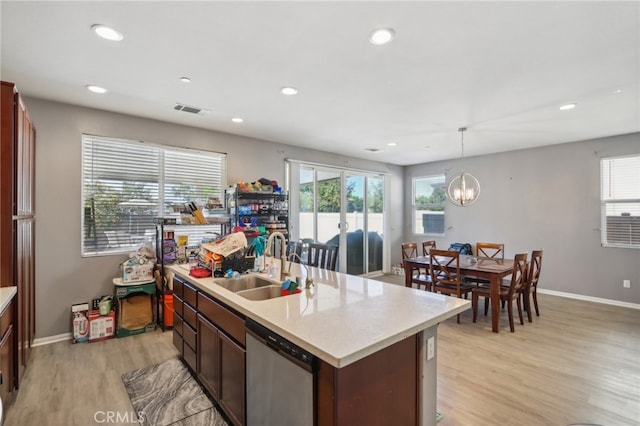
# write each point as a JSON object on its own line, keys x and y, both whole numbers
{"x": 547, "y": 198}
{"x": 63, "y": 277}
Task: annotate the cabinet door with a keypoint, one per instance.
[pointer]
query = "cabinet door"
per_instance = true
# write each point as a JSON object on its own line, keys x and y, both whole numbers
{"x": 6, "y": 367}
{"x": 25, "y": 281}
{"x": 232, "y": 379}
{"x": 178, "y": 342}
{"x": 208, "y": 358}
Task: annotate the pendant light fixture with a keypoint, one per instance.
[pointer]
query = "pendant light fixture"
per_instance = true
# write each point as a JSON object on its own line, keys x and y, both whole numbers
{"x": 464, "y": 188}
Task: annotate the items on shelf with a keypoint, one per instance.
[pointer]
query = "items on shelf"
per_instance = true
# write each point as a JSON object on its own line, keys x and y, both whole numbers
{"x": 262, "y": 185}
{"x": 178, "y": 242}
{"x": 256, "y": 212}
{"x": 139, "y": 266}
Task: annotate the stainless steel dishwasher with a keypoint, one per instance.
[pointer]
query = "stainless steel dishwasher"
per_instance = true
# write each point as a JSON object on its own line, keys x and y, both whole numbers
{"x": 279, "y": 380}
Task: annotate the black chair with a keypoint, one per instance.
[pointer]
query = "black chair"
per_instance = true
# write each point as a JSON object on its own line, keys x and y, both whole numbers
{"x": 294, "y": 247}
{"x": 324, "y": 256}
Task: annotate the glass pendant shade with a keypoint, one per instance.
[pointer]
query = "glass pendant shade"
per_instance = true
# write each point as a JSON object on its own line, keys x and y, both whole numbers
{"x": 463, "y": 190}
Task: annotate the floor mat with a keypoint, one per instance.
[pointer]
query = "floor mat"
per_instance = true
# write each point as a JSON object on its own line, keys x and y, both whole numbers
{"x": 166, "y": 394}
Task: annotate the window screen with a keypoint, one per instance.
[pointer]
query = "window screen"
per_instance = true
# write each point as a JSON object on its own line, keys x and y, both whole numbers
{"x": 127, "y": 184}
{"x": 620, "y": 201}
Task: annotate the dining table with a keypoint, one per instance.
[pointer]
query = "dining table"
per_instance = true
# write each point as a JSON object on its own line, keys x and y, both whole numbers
{"x": 491, "y": 269}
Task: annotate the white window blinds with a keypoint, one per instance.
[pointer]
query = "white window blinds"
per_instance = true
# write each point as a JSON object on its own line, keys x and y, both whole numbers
{"x": 127, "y": 184}
{"x": 620, "y": 201}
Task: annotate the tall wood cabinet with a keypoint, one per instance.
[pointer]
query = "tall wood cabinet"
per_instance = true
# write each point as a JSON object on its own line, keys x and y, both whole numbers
{"x": 17, "y": 217}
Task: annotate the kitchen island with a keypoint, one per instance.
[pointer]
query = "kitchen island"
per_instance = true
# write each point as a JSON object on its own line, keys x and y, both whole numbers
{"x": 375, "y": 342}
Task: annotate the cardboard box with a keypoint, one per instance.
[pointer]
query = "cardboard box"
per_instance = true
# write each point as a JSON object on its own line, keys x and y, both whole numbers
{"x": 101, "y": 327}
{"x": 80, "y": 322}
{"x": 135, "y": 305}
{"x": 136, "y": 273}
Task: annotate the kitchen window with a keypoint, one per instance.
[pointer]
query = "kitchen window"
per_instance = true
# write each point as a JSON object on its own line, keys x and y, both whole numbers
{"x": 429, "y": 199}
{"x": 620, "y": 201}
{"x": 127, "y": 184}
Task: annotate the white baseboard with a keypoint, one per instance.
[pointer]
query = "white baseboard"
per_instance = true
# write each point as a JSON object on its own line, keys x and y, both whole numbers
{"x": 590, "y": 298}
{"x": 51, "y": 339}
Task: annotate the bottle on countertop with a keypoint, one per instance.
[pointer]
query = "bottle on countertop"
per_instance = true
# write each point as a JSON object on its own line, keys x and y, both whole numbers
{"x": 272, "y": 271}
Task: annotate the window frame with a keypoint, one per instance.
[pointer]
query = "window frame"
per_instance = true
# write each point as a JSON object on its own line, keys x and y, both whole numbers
{"x": 158, "y": 179}
{"x": 611, "y": 201}
{"x": 416, "y": 207}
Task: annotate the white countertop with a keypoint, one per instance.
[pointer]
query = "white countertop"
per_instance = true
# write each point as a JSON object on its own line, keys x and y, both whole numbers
{"x": 343, "y": 318}
{"x": 6, "y": 295}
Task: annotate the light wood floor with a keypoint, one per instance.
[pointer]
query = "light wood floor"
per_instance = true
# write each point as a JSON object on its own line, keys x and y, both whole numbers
{"x": 577, "y": 362}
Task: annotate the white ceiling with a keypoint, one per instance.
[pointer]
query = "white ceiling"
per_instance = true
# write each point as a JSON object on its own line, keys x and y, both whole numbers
{"x": 500, "y": 68}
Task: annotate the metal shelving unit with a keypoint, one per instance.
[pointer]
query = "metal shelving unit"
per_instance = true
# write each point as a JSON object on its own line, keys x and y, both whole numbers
{"x": 268, "y": 209}
{"x": 218, "y": 226}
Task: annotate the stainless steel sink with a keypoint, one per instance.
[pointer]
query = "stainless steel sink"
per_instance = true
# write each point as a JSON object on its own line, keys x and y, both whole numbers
{"x": 245, "y": 282}
{"x": 262, "y": 293}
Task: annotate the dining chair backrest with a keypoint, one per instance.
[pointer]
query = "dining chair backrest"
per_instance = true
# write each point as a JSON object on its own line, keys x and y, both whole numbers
{"x": 428, "y": 245}
{"x": 444, "y": 267}
{"x": 490, "y": 250}
{"x": 294, "y": 247}
{"x": 519, "y": 274}
{"x": 533, "y": 274}
{"x": 409, "y": 250}
{"x": 324, "y": 256}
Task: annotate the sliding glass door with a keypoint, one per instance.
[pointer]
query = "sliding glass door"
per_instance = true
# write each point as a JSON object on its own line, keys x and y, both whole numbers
{"x": 340, "y": 207}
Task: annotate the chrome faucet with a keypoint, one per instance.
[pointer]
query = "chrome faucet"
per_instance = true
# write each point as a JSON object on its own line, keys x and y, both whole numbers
{"x": 283, "y": 252}
{"x": 308, "y": 282}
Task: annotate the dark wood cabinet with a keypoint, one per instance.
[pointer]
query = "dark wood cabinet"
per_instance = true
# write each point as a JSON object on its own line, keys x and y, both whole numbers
{"x": 221, "y": 356}
{"x": 211, "y": 339}
{"x": 209, "y": 356}
{"x": 7, "y": 354}
{"x": 17, "y": 217}
{"x": 380, "y": 389}
{"x": 232, "y": 379}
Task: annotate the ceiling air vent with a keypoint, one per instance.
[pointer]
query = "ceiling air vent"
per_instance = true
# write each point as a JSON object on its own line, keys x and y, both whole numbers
{"x": 374, "y": 150}
{"x": 190, "y": 109}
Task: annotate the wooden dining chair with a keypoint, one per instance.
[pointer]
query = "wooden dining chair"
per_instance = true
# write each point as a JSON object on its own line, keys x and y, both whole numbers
{"x": 419, "y": 276}
{"x": 531, "y": 285}
{"x": 409, "y": 250}
{"x": 444, "y": 268}
{"x": 489, "y": 251}
{"x": 324, "y": 256}
{"x": 507, "y": 294}
{"x": 428, "y": 245}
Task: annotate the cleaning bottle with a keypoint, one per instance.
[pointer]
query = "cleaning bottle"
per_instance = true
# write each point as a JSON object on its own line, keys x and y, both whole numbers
{"x": 273, "y": 269}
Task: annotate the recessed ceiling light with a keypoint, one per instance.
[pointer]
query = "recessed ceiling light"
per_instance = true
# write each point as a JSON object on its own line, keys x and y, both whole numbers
{"x": 185, "y": 79}
{"x": 289, "y": 91}
{"x": 392, "y": 144}
{"x": 107, "y": 33}
{"x": 96, "y": 89}
{"x": 566, "y": 107}
{"x": 619, "y": 91}
{"x": 237, "y": 120}
{"x": 381, "y": 36}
